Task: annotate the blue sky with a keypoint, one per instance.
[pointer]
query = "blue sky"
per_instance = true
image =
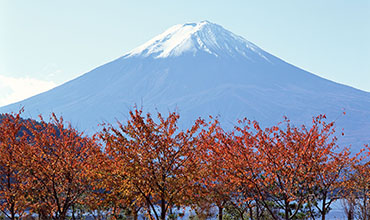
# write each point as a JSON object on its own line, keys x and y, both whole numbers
{"x": 45, "y": 43}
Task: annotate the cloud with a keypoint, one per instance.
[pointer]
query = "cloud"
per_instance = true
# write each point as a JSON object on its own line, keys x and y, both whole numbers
{"x": 14, "y": 89}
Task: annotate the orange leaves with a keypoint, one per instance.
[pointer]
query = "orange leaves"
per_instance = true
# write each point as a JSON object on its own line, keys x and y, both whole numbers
{"x": 357, "y": 184}
{"x": 58, "y": 164}
{"x": 156, "y": 161}
{"x": 150, "y": 164}
{"x": 13, "y": 201}
{"x": 281, "y": 163}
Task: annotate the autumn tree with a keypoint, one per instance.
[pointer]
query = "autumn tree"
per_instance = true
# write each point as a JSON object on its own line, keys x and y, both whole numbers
{"x": 247, "y": 168}
{"x": 325, "y": 164}
{"x": 112, "y": 193}
{"x": 58, "y": 165}
{"x": 283, "y": 177}
{"x": 290, "y": 166}
{"x": 13, "y": 199}
{"x": 214, "y": 147}
{"x": 357, "y": 198}
{"x": 246, "y": 171}
{"x": 154, "y": 160}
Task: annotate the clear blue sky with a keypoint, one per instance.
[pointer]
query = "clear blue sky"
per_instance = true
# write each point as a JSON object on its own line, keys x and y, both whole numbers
{"x": 44, "y": 43}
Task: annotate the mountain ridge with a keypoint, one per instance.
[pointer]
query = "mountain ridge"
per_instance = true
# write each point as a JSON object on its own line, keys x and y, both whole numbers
{"x": 200, "y": 84}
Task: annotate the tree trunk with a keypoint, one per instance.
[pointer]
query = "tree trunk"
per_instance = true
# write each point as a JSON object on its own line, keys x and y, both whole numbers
{"x": 323, "y": 209}
{"x": 257, "y": 211}
{"x": 286, "y": 210}
{"x": 12, "y": 212}
{"x": 241, "y": 212}
{"x": 73, "y": 212}
{"x": 220, "y": 209}
{"x": 286, "y": 213}
{"x": 163, "y": 209}
{"x": 350, "y": 214}
{"x": 251, "y": 212}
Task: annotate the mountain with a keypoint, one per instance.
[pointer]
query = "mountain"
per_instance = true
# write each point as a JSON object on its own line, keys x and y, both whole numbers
{"x": 201, "y": 69}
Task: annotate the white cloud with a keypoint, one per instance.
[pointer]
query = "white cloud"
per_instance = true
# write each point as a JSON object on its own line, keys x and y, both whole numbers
{"x": 14, "y": 89}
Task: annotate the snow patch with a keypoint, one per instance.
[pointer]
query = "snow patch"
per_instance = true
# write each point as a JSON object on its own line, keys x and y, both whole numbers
{"x": 194, "y": 37}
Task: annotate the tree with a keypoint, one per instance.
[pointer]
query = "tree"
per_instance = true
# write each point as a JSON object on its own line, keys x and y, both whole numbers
{"x": 290, "y": 166}
{"x": 112, "y": 192}
{"x": 58, "y": 166}
{"x": 325, "y": 165}
{"x": 246, "y": 171}
{"x": 252, "y": 166}
{"x": 215, "y": 149}
{"x": 154, "y": 160}
{"x": 215, "y": 186}
{"x": 357, "y": 186}
{"x": 13, "y": 200}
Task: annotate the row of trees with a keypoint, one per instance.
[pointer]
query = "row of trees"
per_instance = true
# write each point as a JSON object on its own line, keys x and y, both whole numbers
{"x": 149, "y": 167}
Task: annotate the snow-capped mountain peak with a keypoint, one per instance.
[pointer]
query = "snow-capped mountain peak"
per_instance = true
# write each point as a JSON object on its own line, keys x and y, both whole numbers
{"x": 201, "y": 69}
{"x": 192, "y": 38}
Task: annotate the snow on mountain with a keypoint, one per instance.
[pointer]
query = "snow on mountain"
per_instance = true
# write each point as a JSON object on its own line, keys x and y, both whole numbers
{"x": 194, "y": 37}
{"x": 201, "y": 69}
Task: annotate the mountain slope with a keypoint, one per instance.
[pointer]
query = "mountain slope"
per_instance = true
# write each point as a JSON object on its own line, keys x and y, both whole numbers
{"x": 201, "y": 69}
